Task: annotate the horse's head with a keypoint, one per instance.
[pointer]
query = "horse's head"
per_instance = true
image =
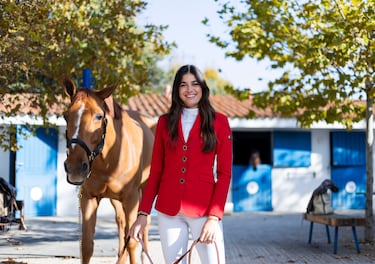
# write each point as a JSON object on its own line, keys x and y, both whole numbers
{"x": 86, "y": 124}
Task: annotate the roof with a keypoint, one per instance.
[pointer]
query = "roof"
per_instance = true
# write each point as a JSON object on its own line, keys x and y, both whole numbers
{"x": 157, "y": 104}
{"x": 153, "y": 105}
{"x": 25, "y": 103}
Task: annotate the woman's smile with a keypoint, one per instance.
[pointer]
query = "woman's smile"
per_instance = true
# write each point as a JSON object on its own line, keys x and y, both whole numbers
{"x": 190, "y": 91}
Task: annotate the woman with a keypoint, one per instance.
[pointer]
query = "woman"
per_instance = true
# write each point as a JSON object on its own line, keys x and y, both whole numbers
{"x": 191, "y": 140}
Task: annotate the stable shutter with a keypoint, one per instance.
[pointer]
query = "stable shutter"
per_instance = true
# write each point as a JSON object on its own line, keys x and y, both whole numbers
{"x": 348, "y": 148}
{"x": 291, "y": 149}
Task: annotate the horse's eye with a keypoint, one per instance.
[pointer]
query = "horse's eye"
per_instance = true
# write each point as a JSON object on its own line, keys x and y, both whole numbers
{"x": 98, "y": 117}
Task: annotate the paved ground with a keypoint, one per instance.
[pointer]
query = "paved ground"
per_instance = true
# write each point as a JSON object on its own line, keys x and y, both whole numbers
{"x": 250, "y": 238}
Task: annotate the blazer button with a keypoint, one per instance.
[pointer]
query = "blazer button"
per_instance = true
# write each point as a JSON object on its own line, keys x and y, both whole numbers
{"x": 184, "y": 147}
{"x": 184, "y": 158}
{"x": 182, "y": 180}
{"x": 183, "y": 170}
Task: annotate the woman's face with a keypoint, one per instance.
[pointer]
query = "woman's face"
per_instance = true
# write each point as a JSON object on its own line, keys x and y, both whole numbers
{"x": 190, "y": 91}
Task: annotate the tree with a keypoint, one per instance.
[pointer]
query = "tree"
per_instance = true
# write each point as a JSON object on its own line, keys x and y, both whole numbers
{"x": 325, "y": 49}
{"x": 43, "y": 40}
{"x": 217, "y": 84}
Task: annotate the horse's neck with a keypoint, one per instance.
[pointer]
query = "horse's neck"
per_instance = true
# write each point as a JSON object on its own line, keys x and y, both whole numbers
{"x": 122, "y": 134}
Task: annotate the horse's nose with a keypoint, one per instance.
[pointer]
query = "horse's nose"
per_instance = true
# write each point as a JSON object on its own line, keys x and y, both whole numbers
{"x": 66, "y": 167}
{"x": 85, "y": 166}
{"x": 77, "y": 171}
{"x": 82, "y": 168}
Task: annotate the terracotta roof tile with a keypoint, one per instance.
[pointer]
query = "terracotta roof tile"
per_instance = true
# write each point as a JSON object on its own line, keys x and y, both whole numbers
{"x": 150, "y": 104}
{"x": 24, "y": 104}
{"x": 158, "y": 104}
{"x": 229, "y": 105}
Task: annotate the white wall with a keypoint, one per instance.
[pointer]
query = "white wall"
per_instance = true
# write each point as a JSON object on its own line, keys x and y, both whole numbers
{"x": 67, "y": 194}
{"x": 292, "y": 187}
{"x": 4, "y": 164}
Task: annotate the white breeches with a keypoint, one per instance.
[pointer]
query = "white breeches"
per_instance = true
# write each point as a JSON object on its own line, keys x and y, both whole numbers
{"x": 174, "y": 237}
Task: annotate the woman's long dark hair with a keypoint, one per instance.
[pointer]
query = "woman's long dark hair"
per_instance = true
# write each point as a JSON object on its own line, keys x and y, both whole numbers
{"x": 206, "y": 110}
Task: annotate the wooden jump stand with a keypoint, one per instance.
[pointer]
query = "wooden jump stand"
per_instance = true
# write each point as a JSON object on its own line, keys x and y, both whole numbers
{"x": 336, "y": 220}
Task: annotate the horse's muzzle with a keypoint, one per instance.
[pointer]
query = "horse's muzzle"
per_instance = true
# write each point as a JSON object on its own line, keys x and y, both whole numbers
{"x": 74, "y": 182}
{"x": 77, "y": 175}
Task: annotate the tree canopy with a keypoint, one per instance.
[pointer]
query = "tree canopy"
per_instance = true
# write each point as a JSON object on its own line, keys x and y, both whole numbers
{"x": 324, "y": 48}
{"x": 216, "y": 83}
{"x": 326, "y": 52}
{"x": 42, "y": 41}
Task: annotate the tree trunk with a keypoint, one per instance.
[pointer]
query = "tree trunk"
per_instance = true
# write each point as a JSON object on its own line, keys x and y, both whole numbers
{"x": 369, "y": 165}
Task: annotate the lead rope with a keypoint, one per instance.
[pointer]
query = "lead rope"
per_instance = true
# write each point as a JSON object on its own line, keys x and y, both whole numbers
{"x": 143, "y": 248}
{"x": 79, "y": 196}
{"x": 190, "y": 251}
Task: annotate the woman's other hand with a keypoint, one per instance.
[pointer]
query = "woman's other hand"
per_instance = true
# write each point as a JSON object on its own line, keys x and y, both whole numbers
{"x": 138, "y": 227}
{"x": 208, "y": 234}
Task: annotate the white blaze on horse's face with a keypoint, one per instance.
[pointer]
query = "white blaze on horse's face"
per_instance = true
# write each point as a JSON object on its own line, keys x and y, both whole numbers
{"x": 78, "y": 122}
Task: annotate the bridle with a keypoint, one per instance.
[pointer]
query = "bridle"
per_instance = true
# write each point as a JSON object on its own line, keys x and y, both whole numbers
{"x": 90, "y": 154}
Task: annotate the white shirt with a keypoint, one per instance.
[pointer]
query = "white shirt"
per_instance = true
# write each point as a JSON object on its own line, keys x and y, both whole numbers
{"x": 188, "y": 118}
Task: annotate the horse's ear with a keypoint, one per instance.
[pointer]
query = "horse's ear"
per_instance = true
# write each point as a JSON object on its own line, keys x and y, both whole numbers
{"x": 114, "y": 108}
{"x": 69, "y": 87}
{"x": 106, "y": 92}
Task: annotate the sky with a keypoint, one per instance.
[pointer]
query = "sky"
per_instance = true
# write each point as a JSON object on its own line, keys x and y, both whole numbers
{"x": 186, "y": 29}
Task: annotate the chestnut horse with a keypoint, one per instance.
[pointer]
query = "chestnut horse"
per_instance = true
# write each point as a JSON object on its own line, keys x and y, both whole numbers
{"x": 108, "y": 155}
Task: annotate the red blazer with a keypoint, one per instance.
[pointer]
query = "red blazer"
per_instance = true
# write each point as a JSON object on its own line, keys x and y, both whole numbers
{"x": 182, "y": 176}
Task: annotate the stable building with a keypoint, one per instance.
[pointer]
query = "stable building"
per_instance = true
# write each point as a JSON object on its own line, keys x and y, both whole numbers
{"x": 293, "y": 160}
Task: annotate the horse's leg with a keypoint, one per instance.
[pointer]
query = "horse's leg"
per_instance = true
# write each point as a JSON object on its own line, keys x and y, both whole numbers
{"x": 89, "y": 209}
{"x": 121, "y": 225}
{"x": 130, "y": 205}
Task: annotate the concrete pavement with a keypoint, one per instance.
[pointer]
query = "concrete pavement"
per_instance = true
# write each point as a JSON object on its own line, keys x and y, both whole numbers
{"x": 261, "y": 237}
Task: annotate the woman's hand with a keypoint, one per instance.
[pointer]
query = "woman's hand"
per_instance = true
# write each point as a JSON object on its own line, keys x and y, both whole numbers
{"x": 208, "y": 233}
{"x": 138, "y": 227}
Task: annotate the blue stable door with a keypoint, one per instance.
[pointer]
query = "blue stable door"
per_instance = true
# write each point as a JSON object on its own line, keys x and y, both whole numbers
{"x": 36, "y": 171}
{"x": 252, "y": 188}
{"x": 348, "y": 170}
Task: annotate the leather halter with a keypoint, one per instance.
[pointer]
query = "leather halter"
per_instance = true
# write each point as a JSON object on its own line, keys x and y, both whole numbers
{"x": 90, "y": 154}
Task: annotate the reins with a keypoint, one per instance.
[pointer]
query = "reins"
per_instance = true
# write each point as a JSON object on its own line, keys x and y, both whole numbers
{"x": 143, "y": 248}
{"x": 189, "y": 252}
{"x": 79, "y": 196}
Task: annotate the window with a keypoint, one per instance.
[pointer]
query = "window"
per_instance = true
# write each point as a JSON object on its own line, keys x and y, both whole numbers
{"x": 291, "y": 149}
{"x": 348, "y": 148}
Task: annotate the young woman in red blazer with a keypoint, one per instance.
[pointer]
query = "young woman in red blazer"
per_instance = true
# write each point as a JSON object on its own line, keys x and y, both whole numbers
{"x": 190, "y": 173}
